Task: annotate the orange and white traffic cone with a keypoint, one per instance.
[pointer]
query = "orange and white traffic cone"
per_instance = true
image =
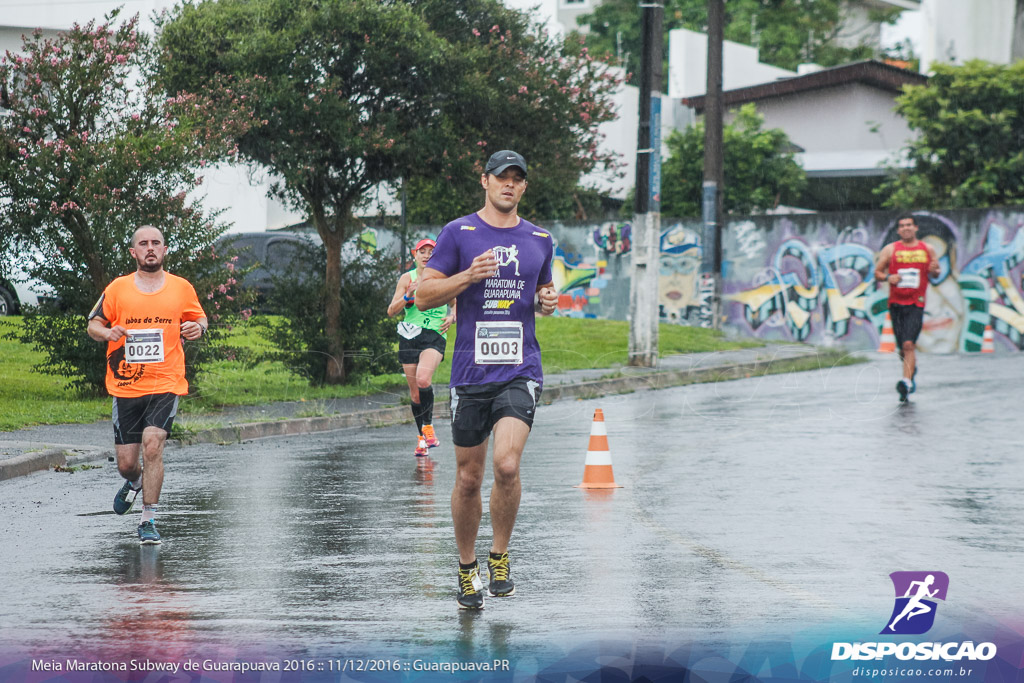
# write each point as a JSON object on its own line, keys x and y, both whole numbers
{"x": 987, "y": 343}
{"x": 597, "y": 470}
{"x": 887, "y": 344}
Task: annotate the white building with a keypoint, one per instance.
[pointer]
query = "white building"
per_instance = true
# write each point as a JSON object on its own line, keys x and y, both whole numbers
{"x": 842, "y": 121}
{"x": 240, "y": 193}
{"x": 956, "y": 31}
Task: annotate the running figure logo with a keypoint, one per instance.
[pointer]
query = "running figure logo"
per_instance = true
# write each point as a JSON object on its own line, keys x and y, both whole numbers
{"x": 506, "y": 255}
{"x": 916, "y": 593}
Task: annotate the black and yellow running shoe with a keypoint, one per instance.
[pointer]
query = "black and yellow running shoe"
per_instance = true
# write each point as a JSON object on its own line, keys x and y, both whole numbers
{"x": 499, "y": 570}
{"x": 470, "y": 588}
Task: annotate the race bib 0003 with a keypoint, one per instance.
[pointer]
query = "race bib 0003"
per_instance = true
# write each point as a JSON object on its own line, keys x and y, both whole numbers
{"x": 499, "y": 343}
{"x": 144, "y": 346}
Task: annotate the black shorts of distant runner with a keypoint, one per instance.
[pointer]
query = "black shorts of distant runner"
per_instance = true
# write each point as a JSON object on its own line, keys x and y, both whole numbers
{"x": 409, "y": 349}
{"x": 133, "y": 415}
{"x": 477, "y": 407}
{"x": 906, "y": 322}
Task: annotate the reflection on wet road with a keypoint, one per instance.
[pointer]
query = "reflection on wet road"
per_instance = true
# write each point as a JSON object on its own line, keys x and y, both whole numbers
{"x": 773, "y": 504}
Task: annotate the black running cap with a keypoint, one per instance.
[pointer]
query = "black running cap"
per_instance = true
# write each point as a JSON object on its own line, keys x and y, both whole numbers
{"x": 504, "y": 159}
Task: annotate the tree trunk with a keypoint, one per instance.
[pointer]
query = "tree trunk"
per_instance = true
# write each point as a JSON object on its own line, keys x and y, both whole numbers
{"x": 332, "y": 308}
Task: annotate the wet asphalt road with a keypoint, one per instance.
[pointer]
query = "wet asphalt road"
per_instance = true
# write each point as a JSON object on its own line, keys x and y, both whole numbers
{"x": 766, "y": 505}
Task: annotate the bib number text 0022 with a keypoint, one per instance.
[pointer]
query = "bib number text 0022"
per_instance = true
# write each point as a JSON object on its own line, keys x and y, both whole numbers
{"x": 144, "y": 346}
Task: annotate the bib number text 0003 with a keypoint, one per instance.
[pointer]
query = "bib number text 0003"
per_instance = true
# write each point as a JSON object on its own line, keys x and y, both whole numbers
{"x": 499, "y": 343}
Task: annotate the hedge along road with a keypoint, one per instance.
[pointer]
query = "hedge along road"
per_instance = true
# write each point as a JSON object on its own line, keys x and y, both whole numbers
{"x": 751, "y": 508}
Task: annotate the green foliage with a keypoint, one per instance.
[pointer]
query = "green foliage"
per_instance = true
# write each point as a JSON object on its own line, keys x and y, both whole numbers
{"x": 513, "y": 87}
{"x": 367, "y": 335}
{"x": 786, "y": 32}
{"x": 346, "y": 92}
{"x": 353, "y": 93}
{"x": 86, "y": 157}
{"x": 969, "y": 147}
{"x": 760, "y": 171}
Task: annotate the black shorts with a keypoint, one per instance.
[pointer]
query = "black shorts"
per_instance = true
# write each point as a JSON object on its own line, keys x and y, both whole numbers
{"x": 477, "y": 407}
{"x": 409, "y": 349}
{"x": 906, "y": 322}
{"x": 132, "y": 415}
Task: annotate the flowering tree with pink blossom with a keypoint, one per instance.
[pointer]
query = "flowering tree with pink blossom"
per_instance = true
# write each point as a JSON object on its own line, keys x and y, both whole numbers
{"x": 89, "y": 151}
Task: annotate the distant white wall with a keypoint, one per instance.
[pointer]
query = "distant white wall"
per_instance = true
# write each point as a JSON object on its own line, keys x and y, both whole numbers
{"x": 955, "y": 31}
{"x": 688, "y": 58}
{"x": 242, "y": 195}
{"x": 543, "y": 11}
{"x": 841, "y": 129}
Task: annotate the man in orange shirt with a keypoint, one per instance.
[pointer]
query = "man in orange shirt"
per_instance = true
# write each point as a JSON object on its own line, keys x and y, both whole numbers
{"x": 143, "y": 317}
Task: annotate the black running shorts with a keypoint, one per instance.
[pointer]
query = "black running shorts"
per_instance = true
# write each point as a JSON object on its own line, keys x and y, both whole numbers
{"x": 906, "y": 322}
{"x": 132, "y": 415}
{"x": 477, "y": 407}
{"x": 409, "y": 349}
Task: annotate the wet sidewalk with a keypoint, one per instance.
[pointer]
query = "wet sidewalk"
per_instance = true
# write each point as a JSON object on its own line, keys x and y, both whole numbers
{"x": 46, "y": 446}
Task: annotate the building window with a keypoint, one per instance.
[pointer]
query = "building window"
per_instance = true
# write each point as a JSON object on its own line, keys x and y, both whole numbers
{"x": 576, "y": 4}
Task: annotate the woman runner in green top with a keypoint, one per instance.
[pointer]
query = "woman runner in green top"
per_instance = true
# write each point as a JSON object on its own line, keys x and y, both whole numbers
{"x": 421, "y": 343}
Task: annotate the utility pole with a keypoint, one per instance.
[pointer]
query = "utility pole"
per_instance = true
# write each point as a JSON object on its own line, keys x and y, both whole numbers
{"x": 643, "y": 290}
{"x": 404, "y": 227}
{"x": 714, "y": 173}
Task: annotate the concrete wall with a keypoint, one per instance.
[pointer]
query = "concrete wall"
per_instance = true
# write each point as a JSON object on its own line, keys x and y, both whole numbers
{"x": 865, "y": 116}
{"x": 810, "y": 278}
{"x": 956, "y": 31}
{"x": 688, "y": 58}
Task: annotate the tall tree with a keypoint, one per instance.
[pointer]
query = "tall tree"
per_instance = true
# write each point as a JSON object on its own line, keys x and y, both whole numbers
{"x": 347, "y": 90}
{"x": 519, "y": 89}
{"x": 359, "y": 92}
{"x": 786, "y": 32}
{"x": 760, "y": 171}
{"x": 969, "y": 147}
{"x": 88, "y": 153}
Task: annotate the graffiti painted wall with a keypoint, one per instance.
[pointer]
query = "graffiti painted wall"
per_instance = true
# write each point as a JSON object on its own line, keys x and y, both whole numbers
{"x": 593, "y": 265}
{"x": 810, "y": 278}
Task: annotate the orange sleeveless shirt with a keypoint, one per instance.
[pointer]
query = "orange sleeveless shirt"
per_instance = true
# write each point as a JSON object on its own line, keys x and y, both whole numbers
{"x": 153, "y": 321}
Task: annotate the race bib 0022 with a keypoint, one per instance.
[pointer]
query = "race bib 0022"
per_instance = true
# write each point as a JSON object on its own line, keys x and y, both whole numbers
{"x": 144, "y": 346}
{"x": 499, "y": 343}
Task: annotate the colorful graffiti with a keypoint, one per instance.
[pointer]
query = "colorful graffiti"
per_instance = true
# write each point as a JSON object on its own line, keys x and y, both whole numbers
{"x": 679, "y": 294}
{"x": 614, "y": 238}
{"x": 581, "y": 279}
{"x": 819, "y": 291}
{"x": 802, "y": 279}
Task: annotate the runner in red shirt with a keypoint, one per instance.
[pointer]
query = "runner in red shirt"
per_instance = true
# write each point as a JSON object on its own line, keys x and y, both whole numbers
{"x": 906, "y": 265}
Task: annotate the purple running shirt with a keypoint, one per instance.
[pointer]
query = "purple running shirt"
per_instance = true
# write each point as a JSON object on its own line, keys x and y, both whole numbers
{"x": 495, "y": 321}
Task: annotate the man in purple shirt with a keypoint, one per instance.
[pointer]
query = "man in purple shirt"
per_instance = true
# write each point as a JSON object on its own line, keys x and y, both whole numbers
{"x": 498, "y": 266}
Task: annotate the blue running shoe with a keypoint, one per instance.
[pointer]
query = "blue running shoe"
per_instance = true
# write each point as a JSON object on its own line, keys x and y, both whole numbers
{"x": 125, "y": 498}
{"x": 148, "y": 535}
{"x": 903, "y": 388}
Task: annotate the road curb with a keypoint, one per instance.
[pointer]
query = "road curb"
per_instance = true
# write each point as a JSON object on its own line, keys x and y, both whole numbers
{"x": 382, "y": 417}
{"x": 26, "y": 463}
{"x": 631, "y": 380}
